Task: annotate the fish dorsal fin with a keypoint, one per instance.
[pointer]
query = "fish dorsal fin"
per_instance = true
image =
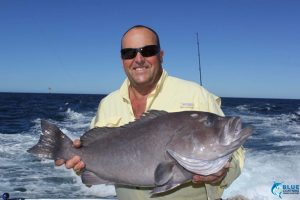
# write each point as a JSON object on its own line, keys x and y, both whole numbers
{"x": 151, "y": 114}
{"x": 147, "y": 116}
{"x": 99, "y": 132}
{"x": 95, "y": 134}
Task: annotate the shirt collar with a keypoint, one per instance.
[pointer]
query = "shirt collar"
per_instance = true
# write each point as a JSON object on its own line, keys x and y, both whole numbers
{"x": 124, "y": 87}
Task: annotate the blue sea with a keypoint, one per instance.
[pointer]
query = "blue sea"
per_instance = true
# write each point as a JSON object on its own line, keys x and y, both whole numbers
{"x": 273, "y": 151}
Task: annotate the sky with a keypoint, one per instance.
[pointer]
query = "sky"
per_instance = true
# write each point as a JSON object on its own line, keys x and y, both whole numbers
{"x": 248, "y": 48}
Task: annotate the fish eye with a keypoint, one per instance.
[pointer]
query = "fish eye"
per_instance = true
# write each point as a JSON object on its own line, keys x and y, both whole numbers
{"x": 209, "y": 122}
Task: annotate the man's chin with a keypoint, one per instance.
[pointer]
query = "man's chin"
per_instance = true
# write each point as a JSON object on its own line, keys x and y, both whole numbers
{"x": 142, "y": 82}
{"x": 141, "y": 79}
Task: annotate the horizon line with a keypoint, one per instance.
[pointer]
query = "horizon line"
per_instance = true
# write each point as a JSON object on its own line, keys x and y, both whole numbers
{"x": 67, "y": 93}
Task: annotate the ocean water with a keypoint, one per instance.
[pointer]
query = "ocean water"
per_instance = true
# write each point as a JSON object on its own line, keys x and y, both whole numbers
{"x": 273, "y": 151}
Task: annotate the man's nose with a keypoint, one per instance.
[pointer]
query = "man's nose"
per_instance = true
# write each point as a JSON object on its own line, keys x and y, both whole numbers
{"x": 139, "y": 58}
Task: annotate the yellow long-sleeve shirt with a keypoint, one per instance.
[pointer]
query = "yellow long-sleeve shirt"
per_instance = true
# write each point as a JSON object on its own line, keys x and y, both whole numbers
{"x": 172, "y": 95}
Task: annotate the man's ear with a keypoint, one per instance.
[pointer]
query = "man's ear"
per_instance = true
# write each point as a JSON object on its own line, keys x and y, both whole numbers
{"x": 161, "y": 56}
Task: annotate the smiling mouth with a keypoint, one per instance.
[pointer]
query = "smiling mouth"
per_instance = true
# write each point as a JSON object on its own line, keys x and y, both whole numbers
{"x": 140, "y": 68}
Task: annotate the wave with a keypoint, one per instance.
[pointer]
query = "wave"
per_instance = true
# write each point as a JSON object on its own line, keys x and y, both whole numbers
{"x": 243, "y": 108}
{"x": 298, "y": 111}
{"x": 256, "y": 179}
{"x": 72, "y": 115}
{"x": 27, "y": 176}
{"x": 293, "y": 143}
{"x": 265, "y": 108}
{"x": 273, "y": 149}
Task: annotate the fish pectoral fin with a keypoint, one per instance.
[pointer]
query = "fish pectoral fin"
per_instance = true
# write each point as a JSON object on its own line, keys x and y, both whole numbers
{"x": 163, "y": 173}
{"x": 169, "y": 186}
{"x": 90, "y": 178}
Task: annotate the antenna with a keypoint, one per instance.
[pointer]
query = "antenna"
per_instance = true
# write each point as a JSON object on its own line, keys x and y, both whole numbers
{"x": 199, "y": 59}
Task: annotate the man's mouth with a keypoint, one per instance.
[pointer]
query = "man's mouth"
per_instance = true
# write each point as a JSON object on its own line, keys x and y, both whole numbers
{"x": 140, "y": 68}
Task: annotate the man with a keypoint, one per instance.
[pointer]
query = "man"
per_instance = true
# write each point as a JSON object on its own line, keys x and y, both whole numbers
{"x": 148, "y": 87}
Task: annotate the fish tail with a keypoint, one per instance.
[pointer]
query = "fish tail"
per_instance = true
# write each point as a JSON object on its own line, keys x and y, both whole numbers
{"x": 53, "y": 143}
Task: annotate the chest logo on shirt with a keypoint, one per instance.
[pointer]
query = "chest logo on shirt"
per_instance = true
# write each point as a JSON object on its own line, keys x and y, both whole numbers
{"x": 186, "y": 105}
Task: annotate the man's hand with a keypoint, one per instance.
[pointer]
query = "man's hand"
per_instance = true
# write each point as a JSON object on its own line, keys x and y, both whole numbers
{"x": 75, "y": 162}
{"x": 213, "y": 178}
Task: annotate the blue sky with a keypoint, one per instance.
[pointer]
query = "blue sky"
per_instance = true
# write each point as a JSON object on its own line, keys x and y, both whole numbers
{"x": 249, "y": 48}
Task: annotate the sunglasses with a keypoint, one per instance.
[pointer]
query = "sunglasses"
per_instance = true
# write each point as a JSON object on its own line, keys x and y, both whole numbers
{"x": 146, "y": 51}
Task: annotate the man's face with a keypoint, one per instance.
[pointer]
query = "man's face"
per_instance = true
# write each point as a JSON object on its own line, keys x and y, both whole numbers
{"x": 142, "y": 71}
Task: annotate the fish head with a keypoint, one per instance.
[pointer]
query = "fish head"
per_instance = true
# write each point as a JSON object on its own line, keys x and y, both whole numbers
{"x": 207, "y": 136}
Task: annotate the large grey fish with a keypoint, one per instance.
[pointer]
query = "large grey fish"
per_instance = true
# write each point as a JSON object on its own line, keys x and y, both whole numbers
{"x": 160, "y": 150}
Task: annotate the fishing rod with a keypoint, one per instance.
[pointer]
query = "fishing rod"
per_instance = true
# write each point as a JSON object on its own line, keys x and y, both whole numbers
{"x": 199, "y": 59}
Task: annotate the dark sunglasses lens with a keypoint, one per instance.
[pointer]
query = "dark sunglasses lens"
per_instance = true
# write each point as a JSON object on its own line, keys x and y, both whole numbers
{"x": 146, "y": 51}
{"x": 128, "y": 53}
{"x": 150, "y": 50}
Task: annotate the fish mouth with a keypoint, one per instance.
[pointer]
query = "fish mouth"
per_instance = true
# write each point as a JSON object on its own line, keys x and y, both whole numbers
{"x": 234, "y": 135}
{"x": 235, "y": 125}
{"x": 198, "y": 166}
{"x": 232, "y": 129}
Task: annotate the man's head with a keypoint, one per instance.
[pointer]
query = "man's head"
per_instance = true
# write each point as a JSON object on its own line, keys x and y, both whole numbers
{"x": 141, "y": 56}
{"x": 145, "y": 27}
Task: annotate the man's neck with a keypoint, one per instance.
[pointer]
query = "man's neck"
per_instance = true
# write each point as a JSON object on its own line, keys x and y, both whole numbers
{"x": 140, "y": 92}
{"x": 138, "y": 99}
{"x": 138, "y": 95}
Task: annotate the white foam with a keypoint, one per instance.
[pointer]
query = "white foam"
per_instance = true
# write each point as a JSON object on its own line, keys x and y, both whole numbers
{"x": 288, "y": 143}
{"x": 13, "y": 144}
{"x": 37, "y": 176}
{"x": 243, "y": 107}
{"x": 74, "y": 115}
{"x": 298, "y": 112}
{"x": 283, "y": 125}
{"x": 260, "y": 172}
